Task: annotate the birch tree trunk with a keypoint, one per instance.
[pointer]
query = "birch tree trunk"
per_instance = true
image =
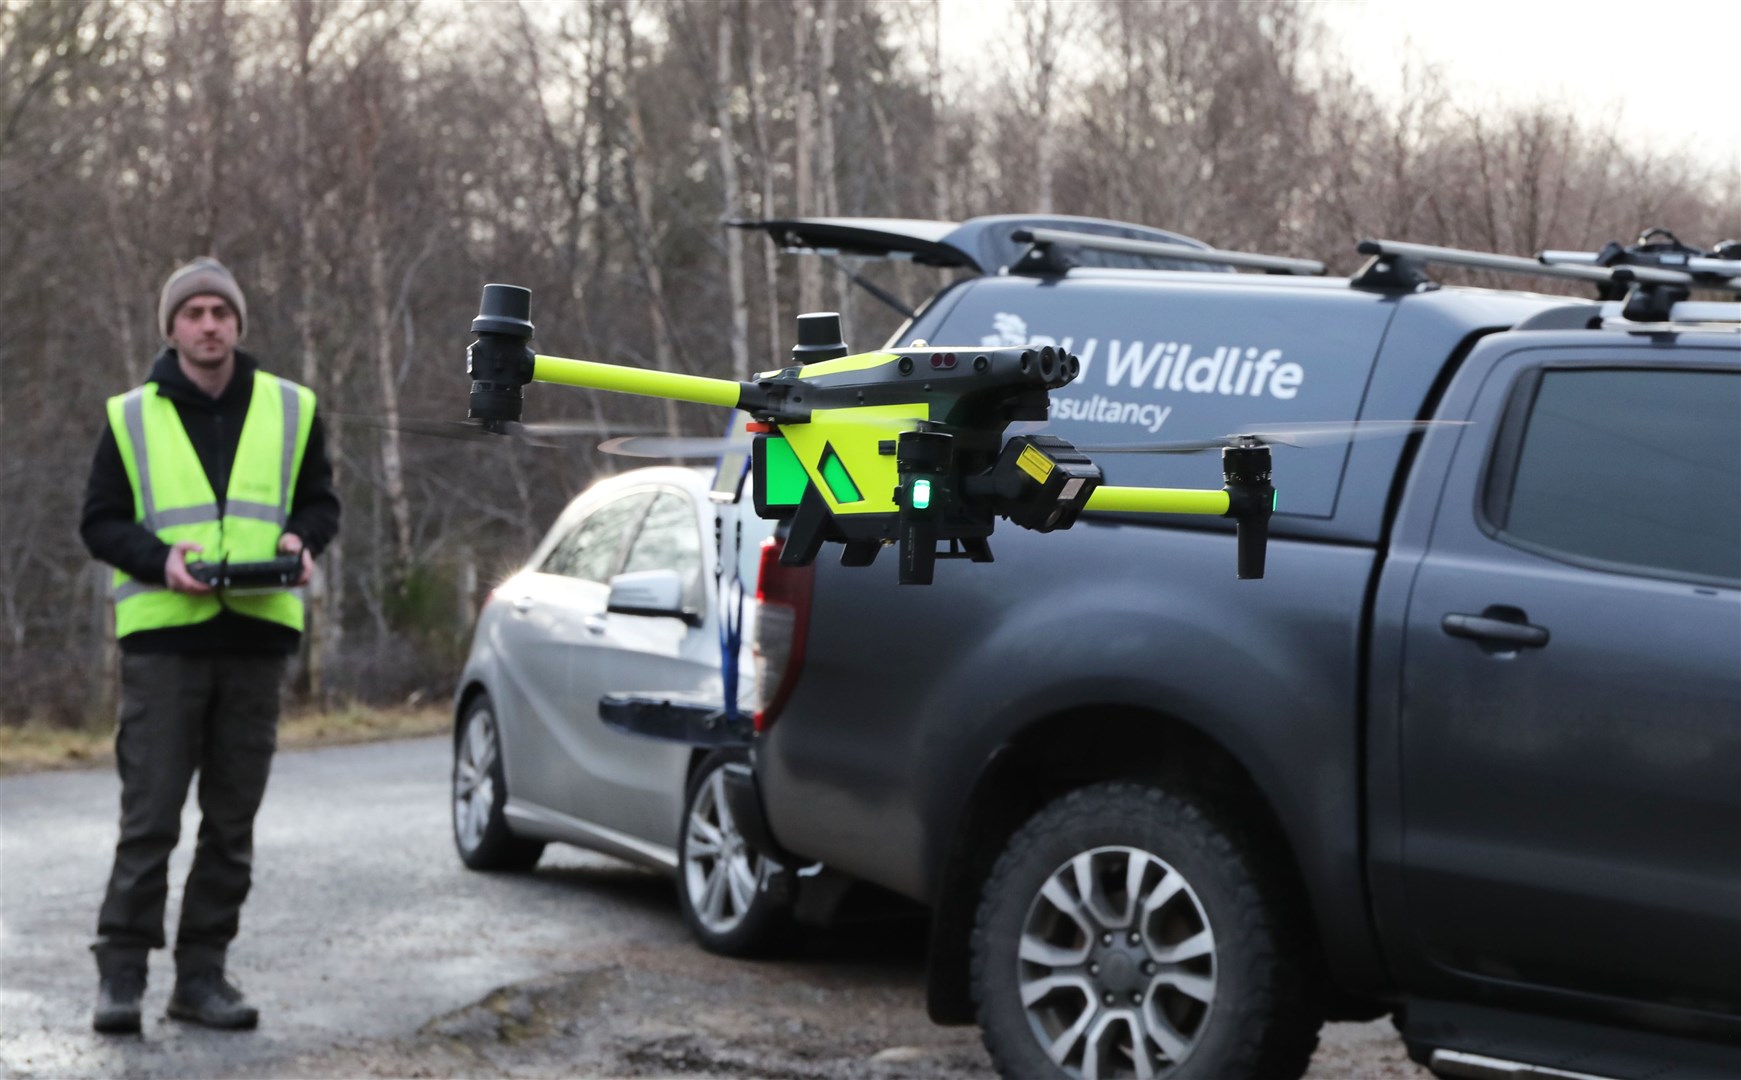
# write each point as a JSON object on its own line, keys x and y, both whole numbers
{"x": 643, "y": 233}
{"x": 828, "y": 194}
{"x": 319, "y": 639}
{"x": 724, "y": 93}
{"x": 765, "y": 156}
{"x": 214, "y": 108}
{"x": 1041, "y": 38}
{"x": 828, "y": 197}
{"x": 939, "y": 128}
{"x": 381, "y": 337}
{"x": 803, "y": 141}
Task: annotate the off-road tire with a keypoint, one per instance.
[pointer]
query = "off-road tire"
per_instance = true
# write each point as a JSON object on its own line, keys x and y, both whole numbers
{"x": 1264, "y": 1017}
{"x": 497, "y": 848}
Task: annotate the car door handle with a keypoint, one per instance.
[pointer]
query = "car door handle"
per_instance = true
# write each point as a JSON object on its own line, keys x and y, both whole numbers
{"x": 595, "y": 624}
{"x": 523, "y": 603}
{"x": 1496, "y": 625}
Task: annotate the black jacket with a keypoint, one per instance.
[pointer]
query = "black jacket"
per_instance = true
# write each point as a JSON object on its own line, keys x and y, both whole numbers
{"x": 214, "y": 426}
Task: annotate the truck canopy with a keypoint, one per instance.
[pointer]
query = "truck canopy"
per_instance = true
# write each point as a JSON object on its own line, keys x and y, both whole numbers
{"x": 981, "y": 245}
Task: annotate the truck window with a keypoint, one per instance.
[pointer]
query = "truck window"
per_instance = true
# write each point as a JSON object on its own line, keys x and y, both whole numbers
{"x": 1187, "y": 363}
{"x": 1632, "y": 469}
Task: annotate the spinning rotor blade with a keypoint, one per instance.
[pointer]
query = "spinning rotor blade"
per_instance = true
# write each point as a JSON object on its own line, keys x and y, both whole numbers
{"x": 470, "y": 430}
{"x": 541, "y": 429}
{"x": 662, "y": 446}
{"x": 1331, "y": 432}
{"x": 477, "y": 430}
{"x": 1195, "y": 446}
{"x": 1304, "y": 434}
{"x": 686, "y": 446}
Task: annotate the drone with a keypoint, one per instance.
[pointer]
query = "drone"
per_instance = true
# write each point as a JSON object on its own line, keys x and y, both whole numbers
{"x": 905, "y": 447}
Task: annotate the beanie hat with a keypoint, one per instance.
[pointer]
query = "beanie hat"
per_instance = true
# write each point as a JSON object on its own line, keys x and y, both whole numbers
{"x": 203, "y": 276}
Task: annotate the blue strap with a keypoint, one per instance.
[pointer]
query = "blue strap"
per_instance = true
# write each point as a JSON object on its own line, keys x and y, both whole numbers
{"x": 731, "y": 625}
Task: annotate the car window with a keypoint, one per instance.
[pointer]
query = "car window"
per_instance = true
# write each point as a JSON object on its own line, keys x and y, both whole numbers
{"x": 669, "y": 540}
{"x": 591, "y": 549}
{"x": 1166, "y": 365}
{"x": 1637, "y": 468}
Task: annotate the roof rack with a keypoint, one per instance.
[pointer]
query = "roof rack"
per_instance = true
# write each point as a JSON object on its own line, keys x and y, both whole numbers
{"x": 1651, "y": 278}
{"x": 1687, "y": 311}
{"x": 1045, "y": 258}
{"x": 1660, "y": 248}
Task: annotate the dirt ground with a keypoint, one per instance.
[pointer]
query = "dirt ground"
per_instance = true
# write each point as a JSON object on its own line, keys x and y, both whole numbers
{"x": 372, "y": 952}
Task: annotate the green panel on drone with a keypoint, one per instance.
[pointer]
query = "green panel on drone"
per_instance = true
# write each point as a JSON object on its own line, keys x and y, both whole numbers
{"x": 785, "y": 479}
{"x": 839, "y": 481}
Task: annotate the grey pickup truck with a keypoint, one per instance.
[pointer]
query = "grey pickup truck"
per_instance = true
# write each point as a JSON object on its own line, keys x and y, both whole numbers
{"x": 1469, "y": 754}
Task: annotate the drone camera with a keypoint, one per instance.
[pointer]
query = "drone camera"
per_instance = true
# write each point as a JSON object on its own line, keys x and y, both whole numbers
{"x": 500, "y": 361}
{"x": 1041, "y": 482}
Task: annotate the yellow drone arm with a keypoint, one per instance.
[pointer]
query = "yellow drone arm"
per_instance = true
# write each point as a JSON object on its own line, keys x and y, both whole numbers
{"x": 628, "y": 380}
{"x": 1143, "y": 500}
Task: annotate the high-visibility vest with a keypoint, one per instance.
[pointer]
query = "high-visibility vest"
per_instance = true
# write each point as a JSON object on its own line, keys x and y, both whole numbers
{"x": 173, "y": 498}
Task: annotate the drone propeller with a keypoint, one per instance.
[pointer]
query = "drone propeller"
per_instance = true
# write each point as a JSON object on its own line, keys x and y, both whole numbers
{"x": 668, "y": 446}
{"x": 1326, "y": 433}
{"x": 701, "y": 446}
{"x": 476, "y": 430}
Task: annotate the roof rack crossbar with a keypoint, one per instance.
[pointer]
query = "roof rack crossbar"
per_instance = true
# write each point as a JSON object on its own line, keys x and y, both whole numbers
{"x": 1600, "y": 275}
{"x": 1695, "y": 265}
{"x": 1687, "y": 311}
{"x": 1061, "y": 237}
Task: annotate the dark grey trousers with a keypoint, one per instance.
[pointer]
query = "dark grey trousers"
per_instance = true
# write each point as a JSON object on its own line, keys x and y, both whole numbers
{"x": 215, "y": 715}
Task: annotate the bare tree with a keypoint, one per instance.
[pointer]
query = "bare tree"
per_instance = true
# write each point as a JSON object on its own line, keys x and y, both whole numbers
{"x": 725, "y": 98}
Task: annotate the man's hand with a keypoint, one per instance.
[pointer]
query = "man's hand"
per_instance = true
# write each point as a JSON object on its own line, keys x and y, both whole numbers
{"x": 175, "y": 573}
{"x": 291, "y": 544}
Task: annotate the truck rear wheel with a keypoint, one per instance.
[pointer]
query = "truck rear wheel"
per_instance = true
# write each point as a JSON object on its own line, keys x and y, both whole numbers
{"x": 1125, "y": 931}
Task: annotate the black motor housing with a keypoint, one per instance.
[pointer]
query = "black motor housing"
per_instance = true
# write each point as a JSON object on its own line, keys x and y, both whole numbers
{"x": 500, "y": 361}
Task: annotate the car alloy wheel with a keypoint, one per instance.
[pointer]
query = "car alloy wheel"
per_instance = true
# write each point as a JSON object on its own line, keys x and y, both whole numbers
{"x": 1117, "y": 964}
{"x": 721, "y": 873}
{"x": 474, "y": 780}
{"x": 480, "y": 796}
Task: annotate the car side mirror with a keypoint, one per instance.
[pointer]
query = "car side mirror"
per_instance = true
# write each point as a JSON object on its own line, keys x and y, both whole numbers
{"x": 658, "y": 593}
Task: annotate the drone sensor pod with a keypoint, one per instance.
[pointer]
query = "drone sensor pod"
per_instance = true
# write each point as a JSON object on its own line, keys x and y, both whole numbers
{"x": 1042, "y": 482}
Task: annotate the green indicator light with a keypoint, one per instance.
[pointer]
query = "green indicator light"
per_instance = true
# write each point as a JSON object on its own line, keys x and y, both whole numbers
{"x": 921, "y": 494}
{"x": 1274, "y": 498}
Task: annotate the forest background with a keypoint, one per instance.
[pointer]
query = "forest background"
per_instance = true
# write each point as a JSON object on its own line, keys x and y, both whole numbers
{"x": 364, "y": 167}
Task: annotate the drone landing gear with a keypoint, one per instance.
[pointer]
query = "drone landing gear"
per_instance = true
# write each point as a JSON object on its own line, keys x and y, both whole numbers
{"x": 808, "y": 530}
{"x": 860, "y": 552}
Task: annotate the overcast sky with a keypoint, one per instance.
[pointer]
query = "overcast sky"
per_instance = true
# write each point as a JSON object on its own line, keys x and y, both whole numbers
{"x": 1666, "y": 68}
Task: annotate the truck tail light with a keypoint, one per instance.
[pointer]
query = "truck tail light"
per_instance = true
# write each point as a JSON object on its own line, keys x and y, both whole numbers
{"x": 782, "y": 623}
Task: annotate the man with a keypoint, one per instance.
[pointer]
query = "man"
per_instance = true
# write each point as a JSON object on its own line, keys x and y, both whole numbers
{"x": 211, "y": 459}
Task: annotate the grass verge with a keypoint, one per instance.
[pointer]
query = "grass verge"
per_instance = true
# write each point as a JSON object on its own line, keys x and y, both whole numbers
{"x": 36, "y": 747}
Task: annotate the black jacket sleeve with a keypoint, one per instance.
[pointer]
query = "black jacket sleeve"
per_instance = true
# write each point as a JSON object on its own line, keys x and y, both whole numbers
{"x": 107, "y": 526}
{"x": 314, "y": 506}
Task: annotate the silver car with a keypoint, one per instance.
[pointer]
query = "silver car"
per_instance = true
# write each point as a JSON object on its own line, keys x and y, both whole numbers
{"x": 620, "y": 595}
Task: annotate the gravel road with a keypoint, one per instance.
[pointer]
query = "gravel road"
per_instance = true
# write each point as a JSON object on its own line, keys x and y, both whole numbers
{"x": 371, "y": 951}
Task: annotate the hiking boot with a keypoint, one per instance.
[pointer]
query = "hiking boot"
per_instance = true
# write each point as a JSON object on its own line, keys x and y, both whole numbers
{"x": 209, "y": 999}
{"x": 119, "y": 988}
